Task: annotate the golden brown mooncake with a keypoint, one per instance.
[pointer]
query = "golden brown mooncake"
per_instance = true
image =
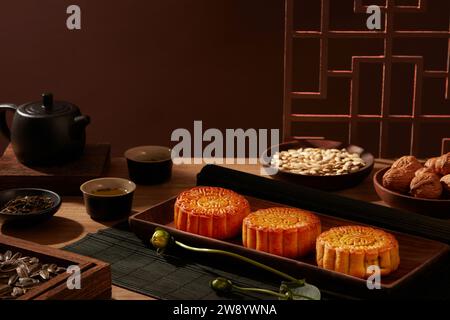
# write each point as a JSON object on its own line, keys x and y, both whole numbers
{"x": 211, "y": 212}
{"x": 352, "y": 249}
{"x": 287, "y": 232}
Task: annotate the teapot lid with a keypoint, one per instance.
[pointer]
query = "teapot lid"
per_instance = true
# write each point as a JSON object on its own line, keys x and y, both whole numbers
{"x": 47, "y": 107}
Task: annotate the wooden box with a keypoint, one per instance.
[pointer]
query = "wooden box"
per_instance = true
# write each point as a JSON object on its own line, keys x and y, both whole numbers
{"x": 64, "y": 179}
{"x": 95, "y": 274}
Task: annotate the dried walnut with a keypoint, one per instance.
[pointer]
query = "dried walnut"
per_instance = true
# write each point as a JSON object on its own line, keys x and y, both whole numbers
{"x": 445, "y": 181}
{"x": 424, "y": 170}
{"x": 407, "y": 163}
{"x": 443, "y": 164}
{"x": 431, "y": 164}
{"x": 426, "y": 186}
{"x": 398, "y": 179}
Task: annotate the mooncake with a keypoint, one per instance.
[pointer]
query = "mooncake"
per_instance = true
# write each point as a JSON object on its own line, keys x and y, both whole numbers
{"x": 352, "y": 249}
{"x": 211, "y": 211}
{"x": 287, "y": 232}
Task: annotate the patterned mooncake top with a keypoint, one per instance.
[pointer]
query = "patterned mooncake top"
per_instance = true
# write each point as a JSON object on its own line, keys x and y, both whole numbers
{"x": 357, "y": 237}
{"x": 211, "y": 201}
{"x": 281, "y": 218}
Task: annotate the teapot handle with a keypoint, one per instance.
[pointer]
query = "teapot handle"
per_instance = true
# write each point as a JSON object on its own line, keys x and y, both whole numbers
{"x": 4, "y": 130}
{"x": 82, "y": 121}
{"x": 79, "y": 125}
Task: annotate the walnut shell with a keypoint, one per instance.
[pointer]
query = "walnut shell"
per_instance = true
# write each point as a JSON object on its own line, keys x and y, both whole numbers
{"x": 398, "y": 180}
{"x": 431, "y": 164}
{"x": 426, "y": 186}
{"x": 443, "y": 164}
{"x": 407, "y": 163}
{"x": 424, "y": 170}
{"x": 445, "y": 181}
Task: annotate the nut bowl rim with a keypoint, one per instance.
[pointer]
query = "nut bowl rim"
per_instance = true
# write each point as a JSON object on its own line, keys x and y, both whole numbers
{"x": 326, "y": 183}
{"x": 376, "y": 181}
{"x": 340, "y": 144}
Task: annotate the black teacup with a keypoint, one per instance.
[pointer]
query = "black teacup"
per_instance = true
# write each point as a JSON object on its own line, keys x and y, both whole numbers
{"x": 149, "y": 165}
{"x": 108, "y": 198}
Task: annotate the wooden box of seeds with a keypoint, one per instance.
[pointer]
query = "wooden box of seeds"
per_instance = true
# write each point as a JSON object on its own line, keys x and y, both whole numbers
{"x": 29, "y": 271}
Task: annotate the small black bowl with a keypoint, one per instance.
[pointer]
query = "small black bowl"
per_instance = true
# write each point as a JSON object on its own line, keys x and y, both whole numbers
{"x": 149, "y": 165}
{"x": 28, "y": 219}
{"x": 108, "y": 207}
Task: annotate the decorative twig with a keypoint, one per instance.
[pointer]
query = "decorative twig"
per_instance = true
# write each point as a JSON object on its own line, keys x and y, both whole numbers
{"x": 161, "y": 239}
{"x": 226, "y": 286}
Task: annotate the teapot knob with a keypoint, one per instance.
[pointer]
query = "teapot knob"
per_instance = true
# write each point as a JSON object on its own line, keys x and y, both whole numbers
{"x": 47, "y": 101}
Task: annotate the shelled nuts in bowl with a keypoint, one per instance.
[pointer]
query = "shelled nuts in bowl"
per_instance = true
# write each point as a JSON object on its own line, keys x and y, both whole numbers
{"x": 417, "y": 187}
{"x": 321, "y": 164}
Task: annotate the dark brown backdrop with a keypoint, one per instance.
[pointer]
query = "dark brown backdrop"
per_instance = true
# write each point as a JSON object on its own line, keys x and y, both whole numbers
{"x": 142, "y": 68}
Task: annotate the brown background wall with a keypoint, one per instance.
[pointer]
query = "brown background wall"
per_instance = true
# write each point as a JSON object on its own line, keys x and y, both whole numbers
{"x": 142, "y": 68}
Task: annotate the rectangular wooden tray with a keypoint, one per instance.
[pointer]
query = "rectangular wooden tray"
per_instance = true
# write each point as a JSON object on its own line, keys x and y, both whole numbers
{"x": 63, "y": 179}
{"x": 417, "y": 254}
{"x": 95, "y": 274}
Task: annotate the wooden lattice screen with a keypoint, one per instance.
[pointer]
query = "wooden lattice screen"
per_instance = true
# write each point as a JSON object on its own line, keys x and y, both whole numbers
{"x": 387, "y": 90}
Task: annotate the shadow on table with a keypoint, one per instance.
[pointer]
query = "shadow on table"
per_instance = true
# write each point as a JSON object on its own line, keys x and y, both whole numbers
{"x": 119, "y": 223}
{"x": 56, "y": 230}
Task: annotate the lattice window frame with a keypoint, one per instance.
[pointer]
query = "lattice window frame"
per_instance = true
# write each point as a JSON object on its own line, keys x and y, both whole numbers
{"x": 353, "y": 118}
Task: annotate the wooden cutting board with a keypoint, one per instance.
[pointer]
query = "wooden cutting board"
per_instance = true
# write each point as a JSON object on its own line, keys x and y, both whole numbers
{"x": 64, "y": 179}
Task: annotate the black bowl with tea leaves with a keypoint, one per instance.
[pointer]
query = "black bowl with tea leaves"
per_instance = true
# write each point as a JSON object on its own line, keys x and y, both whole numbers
{"x": 28, "y": 206}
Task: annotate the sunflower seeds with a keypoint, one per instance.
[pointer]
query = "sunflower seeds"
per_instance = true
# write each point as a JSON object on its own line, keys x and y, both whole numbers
{"x": 16, "y": 256}
{"x": 31, "y": 268}
{"x": 13, "y": 279}
{"x": 19, "y": 273}
{"x": 17, "y": 292}
{"x": 44, "y": 274}
{"x": 52, "y": 268}
{"x": 24, "y": 259}
{"x": 61, "y": 270}
{"x": 7, "y": 267}
{"x": 22, "y": 271}
{"x": 7, "y": 255}
{"x": 27, "y": 282}
{"x": 5, "y": 290}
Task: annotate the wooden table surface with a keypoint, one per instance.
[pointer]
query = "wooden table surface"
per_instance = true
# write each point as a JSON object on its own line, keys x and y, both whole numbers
{"x": 72, "y": 223}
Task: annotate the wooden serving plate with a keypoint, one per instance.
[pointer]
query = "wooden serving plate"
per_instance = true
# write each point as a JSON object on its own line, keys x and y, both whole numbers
{"x": 63, "y": 179}
{"x": 417, "y": 254}
{"x": 95, "y": 274}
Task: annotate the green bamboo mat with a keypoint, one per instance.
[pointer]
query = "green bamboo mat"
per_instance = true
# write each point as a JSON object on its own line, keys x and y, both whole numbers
{"x": 174, "y": 276}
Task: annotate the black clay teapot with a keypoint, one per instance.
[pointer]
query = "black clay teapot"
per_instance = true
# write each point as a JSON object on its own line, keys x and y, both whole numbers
{"x": 45, "y": 132}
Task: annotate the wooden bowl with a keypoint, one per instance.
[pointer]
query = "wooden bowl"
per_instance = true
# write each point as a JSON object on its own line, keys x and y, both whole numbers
{"x": 328, "y": 183}
{"x": 439, "y": 208}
